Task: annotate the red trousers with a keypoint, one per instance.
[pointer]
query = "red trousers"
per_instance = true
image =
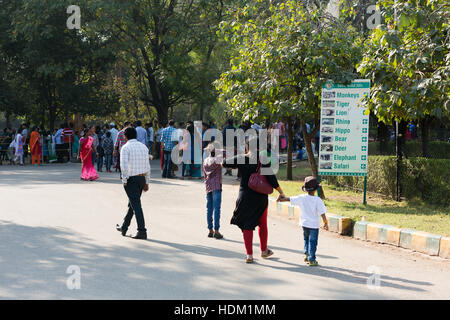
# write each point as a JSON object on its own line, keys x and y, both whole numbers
{"x": 263, "y": 235}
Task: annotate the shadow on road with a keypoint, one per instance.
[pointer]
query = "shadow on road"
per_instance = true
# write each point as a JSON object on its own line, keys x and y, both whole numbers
{"x": 34, "y": 261}
{"x": 201, "y": 250}
{"x": 349, "y": 276}
{"x": 283, "y": 249}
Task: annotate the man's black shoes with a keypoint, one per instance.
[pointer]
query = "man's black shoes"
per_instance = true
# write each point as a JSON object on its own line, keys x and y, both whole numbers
{"x": 140, "y": 236}
{"x": 121, "y": 230}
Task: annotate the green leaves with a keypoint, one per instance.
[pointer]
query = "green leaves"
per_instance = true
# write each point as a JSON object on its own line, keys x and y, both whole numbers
{"x": 291, "y": 52}
{"x": 409, "y": 62}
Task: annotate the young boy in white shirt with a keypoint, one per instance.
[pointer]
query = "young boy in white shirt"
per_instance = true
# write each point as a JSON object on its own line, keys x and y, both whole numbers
{"x": 311, "y": 207}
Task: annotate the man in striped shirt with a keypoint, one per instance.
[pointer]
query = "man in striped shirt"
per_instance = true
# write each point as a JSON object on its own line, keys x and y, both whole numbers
{"x": 120, "y": 142}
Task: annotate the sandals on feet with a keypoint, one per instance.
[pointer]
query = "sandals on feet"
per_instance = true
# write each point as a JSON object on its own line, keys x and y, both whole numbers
{"x": 267, "y": 254}
{"x": 249, "y": 260}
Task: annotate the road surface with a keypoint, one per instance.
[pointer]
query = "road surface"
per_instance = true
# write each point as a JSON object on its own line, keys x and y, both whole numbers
{"x": 50, "y": 220}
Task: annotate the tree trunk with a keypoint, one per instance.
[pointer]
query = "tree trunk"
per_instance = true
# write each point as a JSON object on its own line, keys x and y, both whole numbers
{"x": 402, "y": 126}
{"x": 201, "y": 112}
{"x": 289, "y": 151}
{"x": 163, "y": 116}
{"x": 52, "y": 118}
{"x": 147, "y": 107}
{"x": 8, "y": 119}
{"x": 383, "y": 137}
{"x": 425, "y": 136}
{"x": 312, "y": 161}
{"x": 158, "y": 95}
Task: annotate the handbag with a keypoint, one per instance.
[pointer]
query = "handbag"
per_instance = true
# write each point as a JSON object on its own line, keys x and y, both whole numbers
{"x": 259, "y": 183}
{"x": 283, "y": 142}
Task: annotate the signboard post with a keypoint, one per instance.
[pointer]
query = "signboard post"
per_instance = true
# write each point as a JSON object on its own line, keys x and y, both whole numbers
{"x": 344, "y": 130}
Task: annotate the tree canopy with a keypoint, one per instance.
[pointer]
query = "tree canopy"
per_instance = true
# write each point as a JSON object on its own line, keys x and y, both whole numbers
{"x": 408, "y": 60}
{"x": 284, "y": 53}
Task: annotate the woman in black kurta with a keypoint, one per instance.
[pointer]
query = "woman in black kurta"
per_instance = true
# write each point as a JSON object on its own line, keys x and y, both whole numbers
{"x": 251, "y": 206}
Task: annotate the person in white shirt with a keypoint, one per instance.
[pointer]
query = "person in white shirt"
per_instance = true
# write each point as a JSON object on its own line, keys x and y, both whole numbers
{"x": 311, "y": 207}
{"x": 114, "y": 132}
{"x": 18, "y": 147}
{"x": 135, "y": 174}
{"x": 24, "y": 138}
{"x": 150, "y": 138}
{"x": 141, "y": 133}
{"x": 24, "y": 131}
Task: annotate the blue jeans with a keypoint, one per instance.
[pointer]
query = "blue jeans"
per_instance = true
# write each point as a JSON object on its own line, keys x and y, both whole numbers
{"x": 167, "y": 163}
{"x": 311, "y": 237}
{"x": 183, "y": 170}
{"x": 150, "y": 147}
{"x": 213, "y": 203}
{"x": 108, "y": 161}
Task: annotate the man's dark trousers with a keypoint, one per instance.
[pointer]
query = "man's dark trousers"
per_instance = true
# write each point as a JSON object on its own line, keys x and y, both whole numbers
{"x": 167, "y": 164}
{"x": 134, "y": 187}
{"x": 59, "y": 152}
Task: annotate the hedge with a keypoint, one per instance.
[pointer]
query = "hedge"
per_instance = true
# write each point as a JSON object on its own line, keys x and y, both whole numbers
{"x": 413, "y": 148}
{"x": 426, "y": 179}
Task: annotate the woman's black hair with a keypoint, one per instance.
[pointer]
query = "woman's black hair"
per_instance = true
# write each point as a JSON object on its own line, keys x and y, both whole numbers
{"x": 190, "y": 128}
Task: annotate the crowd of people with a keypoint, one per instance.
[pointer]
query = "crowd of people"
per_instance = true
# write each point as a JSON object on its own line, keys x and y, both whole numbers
{"x": 252, "y": 204}
{"x": 130, "y": 150}
{"x": 36, "y": 144}
{"x": 19, "y": 146}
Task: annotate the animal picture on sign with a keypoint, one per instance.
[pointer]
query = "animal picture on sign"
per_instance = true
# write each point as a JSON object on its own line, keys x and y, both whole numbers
{"x": 328, "y": 112}
{"x": 328, "y": 121}
{"x": 326, "y": 165}
{"x": 326, "y": 147}
{"x": 328, "y": 104}
{"x": 329, "y": 95}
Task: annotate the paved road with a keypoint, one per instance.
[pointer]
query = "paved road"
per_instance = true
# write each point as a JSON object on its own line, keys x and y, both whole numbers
{"x": 50, "y": 220}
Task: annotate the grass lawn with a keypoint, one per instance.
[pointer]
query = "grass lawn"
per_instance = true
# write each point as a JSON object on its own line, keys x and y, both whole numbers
{"x": 406, "y": 214}
{"x": 300, "y": 170}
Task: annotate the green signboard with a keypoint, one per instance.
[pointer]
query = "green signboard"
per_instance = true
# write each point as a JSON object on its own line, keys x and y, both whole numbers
{"x": 344, "y": 129}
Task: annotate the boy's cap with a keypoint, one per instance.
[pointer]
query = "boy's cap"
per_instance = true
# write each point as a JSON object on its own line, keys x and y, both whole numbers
{"x": 311, "y": 184}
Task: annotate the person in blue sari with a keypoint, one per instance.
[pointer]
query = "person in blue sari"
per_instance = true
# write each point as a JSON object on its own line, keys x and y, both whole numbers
{"x": 76, "y": 143}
